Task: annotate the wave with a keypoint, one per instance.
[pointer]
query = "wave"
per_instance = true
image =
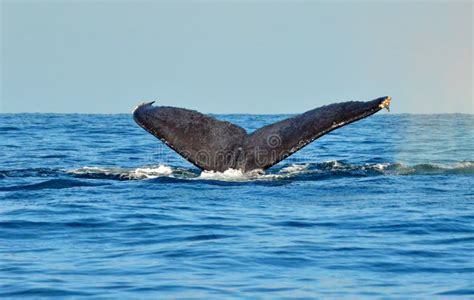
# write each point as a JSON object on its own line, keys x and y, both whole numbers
{"x": 464, "y": 167}
{"x": 169, "y": 174}
{"x": 324, "y": 169}
{"x": 49, "y": 184}
{"x": 122, "y": 173}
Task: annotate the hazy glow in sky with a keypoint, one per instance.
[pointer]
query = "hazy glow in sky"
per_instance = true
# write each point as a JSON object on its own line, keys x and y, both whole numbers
{"x": 235, "y": 57}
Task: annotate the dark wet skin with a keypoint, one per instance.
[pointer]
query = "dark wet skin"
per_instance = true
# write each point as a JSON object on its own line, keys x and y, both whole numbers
{"x": 216, "y": 145}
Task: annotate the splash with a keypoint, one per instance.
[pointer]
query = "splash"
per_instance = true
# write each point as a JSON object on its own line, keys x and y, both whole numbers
{"x": 295, "y": 172}
{"x": 308, "y": 171}
{"x": 313, "y": 171}
{"x": 123, "y": 173}
{"x": 236, "y": 175}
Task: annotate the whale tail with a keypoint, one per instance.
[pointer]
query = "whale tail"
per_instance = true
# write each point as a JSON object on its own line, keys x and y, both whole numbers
{"x": 216, "y": 145}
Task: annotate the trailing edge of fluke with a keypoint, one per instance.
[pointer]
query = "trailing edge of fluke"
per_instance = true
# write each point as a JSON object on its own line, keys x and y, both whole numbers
{"x": 216, "y": 145}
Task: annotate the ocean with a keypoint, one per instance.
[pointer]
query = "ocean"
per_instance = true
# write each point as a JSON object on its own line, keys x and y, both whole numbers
{"x": 92, "y": 206}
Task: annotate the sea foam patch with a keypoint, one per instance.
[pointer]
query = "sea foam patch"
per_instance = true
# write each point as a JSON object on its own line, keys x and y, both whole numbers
{"x": 308, "y": 171}
{"x": 123, "y": 173}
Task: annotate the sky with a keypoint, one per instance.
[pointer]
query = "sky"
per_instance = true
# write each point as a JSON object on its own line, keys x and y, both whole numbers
{"x": 261, "y": 57}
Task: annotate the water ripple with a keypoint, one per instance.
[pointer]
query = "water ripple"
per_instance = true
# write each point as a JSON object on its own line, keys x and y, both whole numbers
{"x": 92, "y": 206}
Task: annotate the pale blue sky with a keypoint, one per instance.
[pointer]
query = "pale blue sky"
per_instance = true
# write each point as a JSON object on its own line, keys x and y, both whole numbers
{"x": 235, "y": 56}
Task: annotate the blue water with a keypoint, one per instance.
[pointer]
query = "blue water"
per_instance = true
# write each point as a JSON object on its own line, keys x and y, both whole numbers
{"x": 92, "y": 205}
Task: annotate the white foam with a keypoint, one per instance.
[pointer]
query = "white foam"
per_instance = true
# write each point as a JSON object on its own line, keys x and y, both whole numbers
{"x": 380, "y": 167}
{"x": 136, "y": 173}
{"x": 232, "y": 175}
{"x": 461, "y": 165}
{"x": 295, "y": 169}
{"x": 290, "y": 171}
{"x": 334, "y": 163}
{"x": 162, "y": 170}
{"x": 255, "y": 175}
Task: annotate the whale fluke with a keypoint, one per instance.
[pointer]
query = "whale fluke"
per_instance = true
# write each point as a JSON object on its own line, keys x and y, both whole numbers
{"x": 216, "y": 145}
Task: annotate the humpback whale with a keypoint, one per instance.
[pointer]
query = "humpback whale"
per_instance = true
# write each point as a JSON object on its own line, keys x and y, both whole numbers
{"x": 215, "y": 145}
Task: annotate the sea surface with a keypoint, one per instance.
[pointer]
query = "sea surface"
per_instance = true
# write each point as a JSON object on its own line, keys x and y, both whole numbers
{"x": 94, "y": 206}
